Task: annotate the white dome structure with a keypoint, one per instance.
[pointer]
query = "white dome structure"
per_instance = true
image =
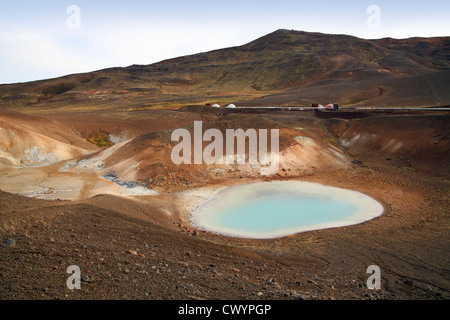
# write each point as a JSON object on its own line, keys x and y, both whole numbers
{"x": 231, "y": 106}
{"x": 215, "y": 105}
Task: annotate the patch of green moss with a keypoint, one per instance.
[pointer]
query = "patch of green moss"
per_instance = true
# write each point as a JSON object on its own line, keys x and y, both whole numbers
{"x": 100, "y": 139}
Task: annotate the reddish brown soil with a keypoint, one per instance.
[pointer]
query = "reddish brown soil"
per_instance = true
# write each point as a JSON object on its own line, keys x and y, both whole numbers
{"x": 133, "y": 250}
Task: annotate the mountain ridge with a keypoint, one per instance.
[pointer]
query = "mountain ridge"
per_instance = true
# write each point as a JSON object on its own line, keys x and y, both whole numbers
{"x": 285, "y": 67}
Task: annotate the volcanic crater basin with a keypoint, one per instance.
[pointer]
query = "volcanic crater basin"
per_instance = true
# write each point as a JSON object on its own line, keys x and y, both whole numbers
{"x": 280, "y": 208}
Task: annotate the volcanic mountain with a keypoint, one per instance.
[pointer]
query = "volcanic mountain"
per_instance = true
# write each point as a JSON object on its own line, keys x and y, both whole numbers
{"x": 95, "y": 150}
{"x": 284, "y": 68}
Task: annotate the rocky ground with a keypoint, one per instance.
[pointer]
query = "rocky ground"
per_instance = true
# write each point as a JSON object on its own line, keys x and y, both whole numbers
{"x": 145, "y": 248}
{"x": 136, "y": 256}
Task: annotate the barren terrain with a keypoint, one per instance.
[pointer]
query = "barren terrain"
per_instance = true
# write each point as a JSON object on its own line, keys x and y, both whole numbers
{"x": 87, "y": 179}
{"x": 284, "y": 68}
{"x": 144, "y": 247}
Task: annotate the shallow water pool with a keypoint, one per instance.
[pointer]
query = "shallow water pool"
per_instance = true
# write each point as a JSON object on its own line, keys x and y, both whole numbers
{"x": 276, "y": 209}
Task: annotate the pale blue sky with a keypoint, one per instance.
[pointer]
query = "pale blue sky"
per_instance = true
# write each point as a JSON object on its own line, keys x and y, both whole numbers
{"x": 35, "y": 42}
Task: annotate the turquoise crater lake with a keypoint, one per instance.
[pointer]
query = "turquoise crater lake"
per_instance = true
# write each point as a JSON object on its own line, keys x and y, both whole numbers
{"x": 277, "y": 209}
